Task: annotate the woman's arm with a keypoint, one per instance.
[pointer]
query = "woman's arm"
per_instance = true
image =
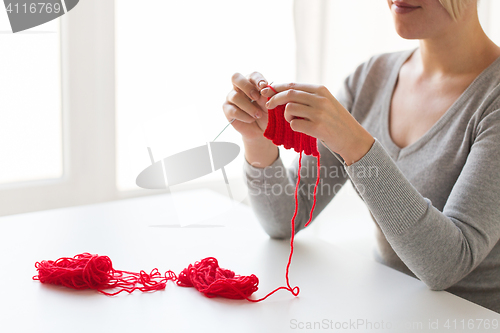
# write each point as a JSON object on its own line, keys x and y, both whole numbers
{"x": 440, "y": 248}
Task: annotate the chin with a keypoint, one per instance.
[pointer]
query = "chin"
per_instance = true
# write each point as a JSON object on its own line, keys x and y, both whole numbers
{"x": 410, "y": 31}
{"x": 408, "y": 34}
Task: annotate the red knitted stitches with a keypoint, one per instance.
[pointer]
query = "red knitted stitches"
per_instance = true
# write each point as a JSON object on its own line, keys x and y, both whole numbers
{"x": 278, "y": 130}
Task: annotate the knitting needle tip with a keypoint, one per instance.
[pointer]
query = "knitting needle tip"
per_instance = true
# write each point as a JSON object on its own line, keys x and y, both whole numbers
{"x": 232, "y": 120}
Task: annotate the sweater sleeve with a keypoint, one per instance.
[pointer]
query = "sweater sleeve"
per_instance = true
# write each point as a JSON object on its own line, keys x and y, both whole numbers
{"x": 440, "y": 248}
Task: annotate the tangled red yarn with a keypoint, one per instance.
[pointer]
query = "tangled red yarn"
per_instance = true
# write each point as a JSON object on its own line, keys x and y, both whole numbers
{"x": 211, "y": 280}
{"x": 90, "y": 271}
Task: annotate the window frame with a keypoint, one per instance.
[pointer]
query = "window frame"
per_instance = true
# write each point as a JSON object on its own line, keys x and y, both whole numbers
{"x": 87, "y": 105}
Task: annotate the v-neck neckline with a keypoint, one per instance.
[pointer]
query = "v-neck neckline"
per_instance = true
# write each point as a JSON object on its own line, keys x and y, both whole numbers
{"x": 394, "y": 149}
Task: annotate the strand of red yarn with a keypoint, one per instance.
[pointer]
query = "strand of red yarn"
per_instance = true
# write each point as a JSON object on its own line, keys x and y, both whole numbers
{"x": 318, "y": 170}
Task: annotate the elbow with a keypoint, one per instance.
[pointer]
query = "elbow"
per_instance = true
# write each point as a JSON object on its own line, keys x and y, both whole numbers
{"x": 280, "y": 229}
{"x": 274, "y": 228}
{"x": 438, "y": 283}
{"x": 437, "y": 286}
{"x": 278, "y": 237}
{"x": 275, "y": 232}
{"x": 443, "y": 277}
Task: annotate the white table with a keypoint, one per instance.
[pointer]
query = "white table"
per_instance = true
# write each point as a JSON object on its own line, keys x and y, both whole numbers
{"x": 337, "y": 288}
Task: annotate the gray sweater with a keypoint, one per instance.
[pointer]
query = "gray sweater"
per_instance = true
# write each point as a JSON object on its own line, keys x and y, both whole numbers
{"x": 436, "y": 202}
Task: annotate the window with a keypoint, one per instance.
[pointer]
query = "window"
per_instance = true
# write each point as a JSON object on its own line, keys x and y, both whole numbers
{"x": 30, "y": 107}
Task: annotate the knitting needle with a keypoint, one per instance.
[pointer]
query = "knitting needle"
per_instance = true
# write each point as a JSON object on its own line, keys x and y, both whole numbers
{"x": 224, "y": 129}
{"x": 222, "y": 169}
{"x": 232, "y": 120}
{"x": 341, "y": 160}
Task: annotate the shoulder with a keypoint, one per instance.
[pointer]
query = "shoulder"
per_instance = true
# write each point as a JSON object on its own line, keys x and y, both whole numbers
{"x": 376, "y": 70}
{"x": 485, "y": 98}
{"x": 487, "y": 88}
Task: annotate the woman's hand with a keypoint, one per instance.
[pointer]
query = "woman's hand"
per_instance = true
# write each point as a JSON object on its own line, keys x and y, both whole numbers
{"x": 311, "y": 109}
{"x": 246, "y": 105}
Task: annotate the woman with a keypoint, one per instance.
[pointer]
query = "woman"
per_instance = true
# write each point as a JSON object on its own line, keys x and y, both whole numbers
{"x": 425, "y": 123}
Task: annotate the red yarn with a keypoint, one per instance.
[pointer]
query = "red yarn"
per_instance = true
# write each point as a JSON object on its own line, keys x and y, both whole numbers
{"x": 90, "y": 271}
{"x": 87, "y": 271}
{"x": 211, "y": 280}
{"x": 278, "y": 130}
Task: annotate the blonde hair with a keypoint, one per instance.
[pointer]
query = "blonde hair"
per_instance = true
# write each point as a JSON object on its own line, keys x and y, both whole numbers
{"x": 455, "y": 7}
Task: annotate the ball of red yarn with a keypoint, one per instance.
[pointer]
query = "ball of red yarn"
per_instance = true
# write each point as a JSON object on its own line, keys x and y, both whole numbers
{"x": 211, "y": 280}
{"x": 83, "y": 271}
{"x": 88, "y": 271}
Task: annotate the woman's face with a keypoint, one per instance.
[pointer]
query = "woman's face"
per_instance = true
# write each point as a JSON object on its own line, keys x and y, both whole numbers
{"x": 420, "y": 19}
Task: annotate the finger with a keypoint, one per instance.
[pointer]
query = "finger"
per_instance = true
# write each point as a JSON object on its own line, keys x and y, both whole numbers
{"x": 257, "y": 80}
{"x": 293, "y": 110}
{"x": 267, "y": 92}
{"x": 310, "y": 88}
{"x": 242, "y": 83}
{"x": 242, "y": 102}
{"x": 302, "y": 126}
{"x": 233, "y": 112}
{"x": 291, "y": 96}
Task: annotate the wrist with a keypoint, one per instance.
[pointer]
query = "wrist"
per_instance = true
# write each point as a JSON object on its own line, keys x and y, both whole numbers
{"x": 357, "y": 148}
{"x": 255, "y": 140}
{"x": 260, "y": 152}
